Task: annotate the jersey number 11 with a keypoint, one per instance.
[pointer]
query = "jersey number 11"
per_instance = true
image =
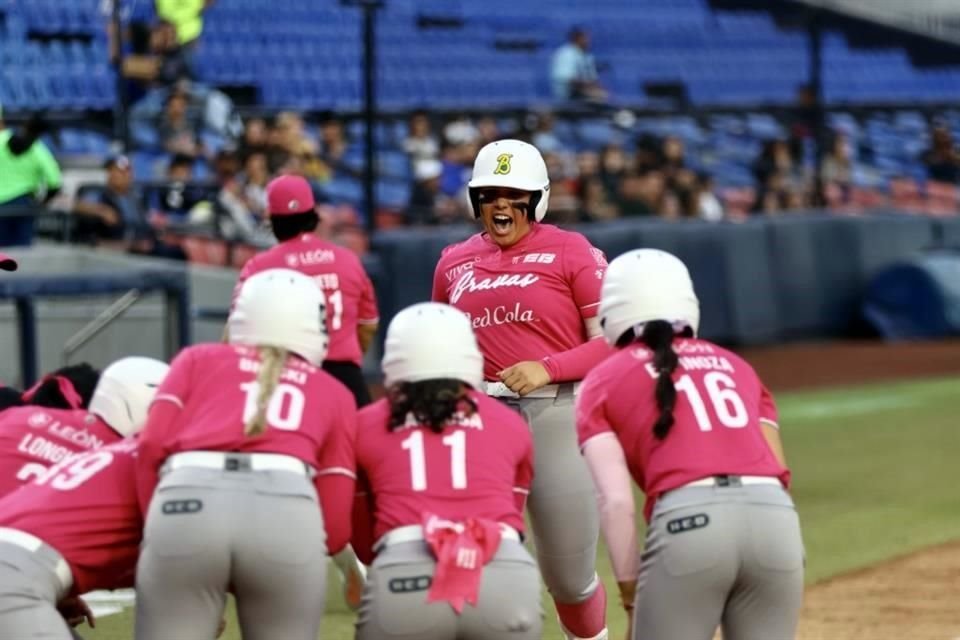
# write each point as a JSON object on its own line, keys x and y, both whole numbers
{"x": 457, "y": 441}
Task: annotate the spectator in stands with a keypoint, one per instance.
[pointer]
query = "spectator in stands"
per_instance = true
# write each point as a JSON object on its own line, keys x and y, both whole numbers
{"x": 240, "y": 221}
{"x": 163, "y": 64}
{"x": 177, "y": 133}
{"x": 641, "y": 194}
{"x": 564, "y": 206}
{"x": 779, "y": 184}
{"x": 186, "y": 16}
{"x": 487, "y": 131}
{"x": 613, "y": 167}
{"x": 543, "y": 137}
{"x": 27, "y": 169}
{"x": 255, "y": 138}
{"x": 420, "y": 143}
{"x": 595, "y": 204}
{"x": 574, "y": 72}
{"x": 179, "y": 196}
{"x": 837, "y": 169}
{"x": 426, "y": 200}
{"x": 333, "y": 142}
{"x": 254, "y": 181}
{"x": 113, "y": 215}
{"x": 942, "y": 160}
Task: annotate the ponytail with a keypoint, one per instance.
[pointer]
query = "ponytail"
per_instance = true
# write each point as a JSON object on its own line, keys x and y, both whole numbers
{"x": 272, "y": 360}
{"x": 432, "y": 402}
{"x": 658, "y": 336}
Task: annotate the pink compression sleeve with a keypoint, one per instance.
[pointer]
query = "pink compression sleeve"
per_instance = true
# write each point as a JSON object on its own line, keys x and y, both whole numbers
{"x": 618, "y": 517}
{"x": 574, "y": 364}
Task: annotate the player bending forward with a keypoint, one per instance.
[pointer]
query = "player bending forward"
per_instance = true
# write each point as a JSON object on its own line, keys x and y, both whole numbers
{"x": 444, "y": 471}
{"x": 76, "y": 527}
{"x": 697, "y": 430}
{"x": 243, "y": 438}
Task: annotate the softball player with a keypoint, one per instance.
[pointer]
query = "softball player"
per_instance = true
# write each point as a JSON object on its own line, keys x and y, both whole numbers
{"x": 352, "y": 315}
{"x": 697, "y": 430}
{"x": 444, "y": 472}
{"x": 33, "y": 438}
{"x": 531, "y": 292}
{"x": 246, "y": 436}
{"x": 77, "y": 527}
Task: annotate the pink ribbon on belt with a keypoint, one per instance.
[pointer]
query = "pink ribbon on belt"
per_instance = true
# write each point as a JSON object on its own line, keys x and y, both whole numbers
{"x": 461, "y": 550}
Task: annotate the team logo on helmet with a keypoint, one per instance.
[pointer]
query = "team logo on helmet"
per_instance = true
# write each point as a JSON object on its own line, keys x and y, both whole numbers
{"x": 293, "y": 205}
{"x": 503, "y": 164}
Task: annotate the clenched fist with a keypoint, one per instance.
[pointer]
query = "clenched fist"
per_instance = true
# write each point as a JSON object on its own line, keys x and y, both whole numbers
{"x": 525, "y": 377}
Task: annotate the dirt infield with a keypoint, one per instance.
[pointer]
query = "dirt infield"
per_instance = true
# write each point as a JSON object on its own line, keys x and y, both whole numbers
{"x": 807, "y": 366}
{"x": 911, "y": 597}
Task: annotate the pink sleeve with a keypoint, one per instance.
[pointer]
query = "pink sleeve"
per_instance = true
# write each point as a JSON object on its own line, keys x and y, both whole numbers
{"x": 156, "y": 435}
{"x": 361, "y": 538}
{"x": 574, "y": 364}
{"x": 590, "y": 415}
{"x": 337, "y": 455}
{"x": 369, "y": 314}
{"x": 768, "y": 408}
{"x": 336, "y": 493}
{"x": 439, "y": 291}
{"x": 584, "y": 268}
{"x": 618, "y": 518}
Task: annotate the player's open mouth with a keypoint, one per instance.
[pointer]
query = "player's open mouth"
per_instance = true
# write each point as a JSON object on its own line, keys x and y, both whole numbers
{"x": 502, "y": 223}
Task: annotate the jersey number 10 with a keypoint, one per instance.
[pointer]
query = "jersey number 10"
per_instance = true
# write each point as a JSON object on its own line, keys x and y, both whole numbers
{"x": 457, "y": 441}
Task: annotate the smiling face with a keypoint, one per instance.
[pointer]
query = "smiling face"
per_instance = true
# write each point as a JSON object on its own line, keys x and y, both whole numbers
{"x": 504, "y": 213}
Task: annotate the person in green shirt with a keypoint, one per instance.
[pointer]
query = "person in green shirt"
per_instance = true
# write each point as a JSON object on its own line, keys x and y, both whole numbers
{"x": 27, "y": 168}
{"x": 185, "y": 15}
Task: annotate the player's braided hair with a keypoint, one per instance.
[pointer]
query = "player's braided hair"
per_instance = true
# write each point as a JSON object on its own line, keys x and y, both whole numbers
{"x": 82, "y": 377}
{"x": 658, "y": 336}
{"x": 432, "y": 402}
{"x": 272, "y": 360}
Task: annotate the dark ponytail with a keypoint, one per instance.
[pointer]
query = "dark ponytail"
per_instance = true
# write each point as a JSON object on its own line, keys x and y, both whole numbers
{"x": 658, "y": 336}
{"x": 70, "y": 387}
{"x": 432, "y": 402}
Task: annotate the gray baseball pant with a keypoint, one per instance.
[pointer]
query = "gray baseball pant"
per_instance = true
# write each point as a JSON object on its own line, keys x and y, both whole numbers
{"x": 721, "y": 556}
{"x": 29, "y": 593}
{"x": 395, "y": 605}
{"x": 562, "y": 502}
{"x": 259, "y": 533}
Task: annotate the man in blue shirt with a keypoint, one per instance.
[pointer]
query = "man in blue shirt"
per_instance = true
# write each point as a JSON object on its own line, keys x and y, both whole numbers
{"x": 573, "y": 70}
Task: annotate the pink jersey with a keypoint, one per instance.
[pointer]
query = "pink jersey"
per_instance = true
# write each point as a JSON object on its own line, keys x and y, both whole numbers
{"x": 478, "y": 466}
{"x": 525, "y": 302}
{"x": 34, "y": 438}
{"x": 339, "y": 272}
{"x": 720, "y": 405}
{"x": 311, "y": 416}
{"x": 85, "y": 508}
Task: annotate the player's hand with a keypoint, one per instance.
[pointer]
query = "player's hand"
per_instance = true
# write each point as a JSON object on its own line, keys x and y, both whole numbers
{"x": 75, "y": 611}
{"x": 525, "y": 377}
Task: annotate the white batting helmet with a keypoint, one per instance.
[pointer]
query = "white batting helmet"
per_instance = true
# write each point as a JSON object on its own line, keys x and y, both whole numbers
{"x": 513, "y": 164}
{"x": 644, "y": 285}
{"x": 125, "y": 391}
{"x": 430, "y": 340}
{"x": 281, "y": 308}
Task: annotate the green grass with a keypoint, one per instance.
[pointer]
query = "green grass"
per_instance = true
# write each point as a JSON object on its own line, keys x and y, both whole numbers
{"x": 874, "y": 477}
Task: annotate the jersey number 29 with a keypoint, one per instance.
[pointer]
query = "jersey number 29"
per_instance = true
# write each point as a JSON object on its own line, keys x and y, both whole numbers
{"x": 457, "y": 441}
